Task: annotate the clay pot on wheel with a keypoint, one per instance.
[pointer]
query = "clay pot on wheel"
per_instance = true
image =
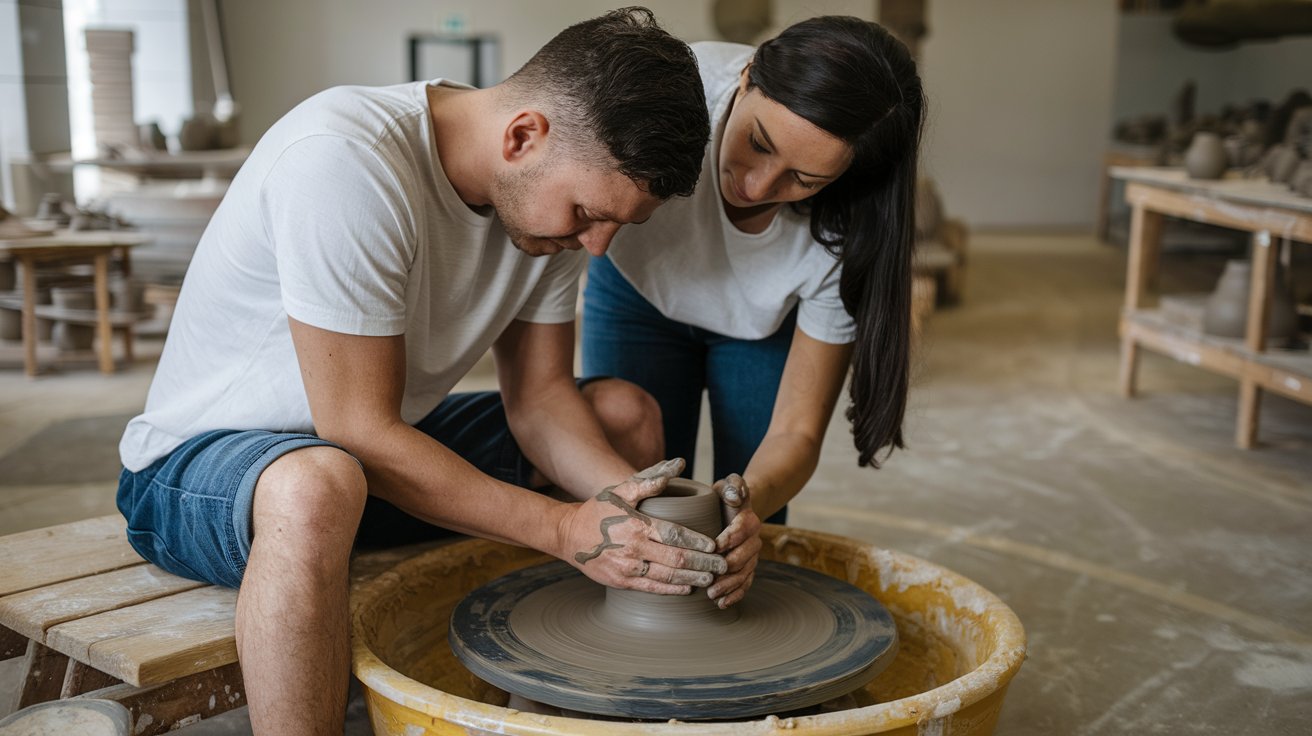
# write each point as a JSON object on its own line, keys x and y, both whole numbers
{"x": 1226, "y": 312}
{"x": 1206, "y": 157}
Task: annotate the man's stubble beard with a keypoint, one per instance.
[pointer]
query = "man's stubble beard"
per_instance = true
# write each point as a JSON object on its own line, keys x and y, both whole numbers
{"x": 512, "y": 194}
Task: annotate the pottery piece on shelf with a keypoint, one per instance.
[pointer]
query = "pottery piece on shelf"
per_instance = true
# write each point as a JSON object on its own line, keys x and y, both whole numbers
{"x": 1206, "y": 158}
{"x": 152, "y": 138}
{"x": 11, "y": 324}
{"x": 69, "y": 336}
{"x": 12, "y": 227}
{"x": 226, "y": 134}
{"x": 126, "y": 295}
{"x": 54, "y": 208}
{"x": 1226, "y": 312}
{"x": 1301, "y": 181}
{"x": 1298, "y": 135}
{"x": 1279, "y": 163}
{"x": 197, "y": 134}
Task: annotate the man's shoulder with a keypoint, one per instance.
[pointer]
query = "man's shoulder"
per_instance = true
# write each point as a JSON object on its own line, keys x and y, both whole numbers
{"x": 355, "y": 112}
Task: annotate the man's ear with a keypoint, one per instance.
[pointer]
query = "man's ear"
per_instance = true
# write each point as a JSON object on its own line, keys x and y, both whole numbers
{"x": 525, "y": 136}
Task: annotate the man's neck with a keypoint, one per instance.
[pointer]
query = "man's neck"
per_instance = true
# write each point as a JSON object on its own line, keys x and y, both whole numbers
{"x": 462, "y": 125}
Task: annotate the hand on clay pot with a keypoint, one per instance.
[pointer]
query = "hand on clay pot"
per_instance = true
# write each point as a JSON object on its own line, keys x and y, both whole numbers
{"x": 740, "y": 542}
{"x": 613, "y": 543}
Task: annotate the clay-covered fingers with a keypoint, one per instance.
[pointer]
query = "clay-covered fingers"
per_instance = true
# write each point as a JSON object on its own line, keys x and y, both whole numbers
{"x": 649, "y": 482}
{"x": 745, "y": 526}
{"x": 731, "y": 589}
{"x": 734, "y": 495}
{"x": 677, "y": 535}
{"x": 740, "y": 543}
{"x": 688, "y": 566}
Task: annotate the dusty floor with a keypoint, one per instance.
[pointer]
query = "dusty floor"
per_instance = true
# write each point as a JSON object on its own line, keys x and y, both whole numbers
{"x": 1164, "y": 576}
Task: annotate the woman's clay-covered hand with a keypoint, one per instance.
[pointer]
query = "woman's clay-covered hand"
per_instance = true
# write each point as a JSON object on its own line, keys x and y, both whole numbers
{"x": 615, "y": 544}
{"x": 740, "y": 542}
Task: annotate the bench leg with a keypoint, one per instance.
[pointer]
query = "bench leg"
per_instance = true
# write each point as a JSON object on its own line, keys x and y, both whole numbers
{"x": 12, "y": 644}
{"x": 43, "y": 675}
{"x": 162, "y": 708}
{"x": 81, "y": 678}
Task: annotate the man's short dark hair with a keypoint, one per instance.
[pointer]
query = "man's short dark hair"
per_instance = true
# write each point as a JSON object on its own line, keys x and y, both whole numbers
{"x": 623, "y": 81}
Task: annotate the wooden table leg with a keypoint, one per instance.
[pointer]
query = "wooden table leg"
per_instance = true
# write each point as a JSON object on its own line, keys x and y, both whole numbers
{"x": 125, "y": 262}
{"x": 1259, "y": 309}
{"x": 28, "y": 265}
{"x": 1145, "y": 231}
{"x": 104, "y": 333}
{"x": 12, "y": 643}
{"x": 1129, "y": 365}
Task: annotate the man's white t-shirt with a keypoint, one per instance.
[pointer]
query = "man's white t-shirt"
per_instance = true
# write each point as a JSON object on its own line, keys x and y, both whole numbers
{"x": 696, "y": 267}
{"x": 343, "y": 219}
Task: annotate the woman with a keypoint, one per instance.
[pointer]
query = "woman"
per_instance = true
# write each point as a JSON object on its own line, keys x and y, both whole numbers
{"x": 791, "y": 263}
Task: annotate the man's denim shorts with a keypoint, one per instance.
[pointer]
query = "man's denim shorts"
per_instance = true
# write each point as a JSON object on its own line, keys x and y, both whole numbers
{"x": 190, "y": 511}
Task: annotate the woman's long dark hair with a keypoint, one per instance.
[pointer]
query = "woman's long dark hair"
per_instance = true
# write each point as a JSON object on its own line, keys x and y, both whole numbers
{"x": 852, "y": 79}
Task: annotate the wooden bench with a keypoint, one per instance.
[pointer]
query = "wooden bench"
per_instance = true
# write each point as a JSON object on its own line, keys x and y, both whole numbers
{"x": 92, "y": 619}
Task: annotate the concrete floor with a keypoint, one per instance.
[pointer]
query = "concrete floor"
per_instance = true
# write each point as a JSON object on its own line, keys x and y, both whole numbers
{"x": 1164, "y": 577}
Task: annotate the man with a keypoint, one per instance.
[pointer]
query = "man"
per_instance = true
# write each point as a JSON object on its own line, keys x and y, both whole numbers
{"x": 356, "y": 269}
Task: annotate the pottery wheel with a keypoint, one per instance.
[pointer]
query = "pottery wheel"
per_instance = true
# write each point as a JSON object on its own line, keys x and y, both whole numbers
{"x": 550, "y": 634}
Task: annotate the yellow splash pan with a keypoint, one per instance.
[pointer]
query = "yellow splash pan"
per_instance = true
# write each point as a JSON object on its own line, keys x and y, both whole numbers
{"x": 959, "y": 648}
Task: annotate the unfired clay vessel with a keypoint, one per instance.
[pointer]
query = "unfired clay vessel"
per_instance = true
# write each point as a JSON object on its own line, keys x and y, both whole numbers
{"x": 1206, "y": 157}
{"x": 67, "y": 335}
{"x": 1226, "y": 312}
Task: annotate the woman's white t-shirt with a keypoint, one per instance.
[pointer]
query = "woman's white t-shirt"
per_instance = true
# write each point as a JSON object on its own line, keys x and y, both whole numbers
{"x": 341, "y": 218}
{"x": 696, "y": 267}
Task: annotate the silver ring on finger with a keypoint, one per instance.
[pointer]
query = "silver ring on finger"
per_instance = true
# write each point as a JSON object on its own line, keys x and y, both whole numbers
{"x": 646, "y": 565}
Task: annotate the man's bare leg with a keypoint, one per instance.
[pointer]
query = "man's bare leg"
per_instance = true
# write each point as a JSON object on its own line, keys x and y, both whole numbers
{"x": 631, "y": 419}
{"x": 292, "y": 628}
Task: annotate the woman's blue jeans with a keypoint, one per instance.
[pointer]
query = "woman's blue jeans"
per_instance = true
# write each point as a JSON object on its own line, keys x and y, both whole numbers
{"x": 624, "y": 336}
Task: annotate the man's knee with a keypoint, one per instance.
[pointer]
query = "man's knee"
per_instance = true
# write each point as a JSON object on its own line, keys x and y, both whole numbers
{"x": 320, "y": 489}
{"x": 630, "y": 417}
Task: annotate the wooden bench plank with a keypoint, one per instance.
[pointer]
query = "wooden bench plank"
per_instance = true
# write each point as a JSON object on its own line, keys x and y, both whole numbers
{"x": 155, "y": 641}
{"x": 64, "y": 552}
{"x": 31, "y": 613}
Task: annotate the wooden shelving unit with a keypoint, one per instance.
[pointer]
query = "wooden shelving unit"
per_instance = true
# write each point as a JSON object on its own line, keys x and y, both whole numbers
{"x": 1274, "y": 216}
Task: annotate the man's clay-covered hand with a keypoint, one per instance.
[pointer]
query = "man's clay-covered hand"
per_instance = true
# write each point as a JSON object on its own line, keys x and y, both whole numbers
{"x": 740, "y": 542}
{"x": 615, "y": 544}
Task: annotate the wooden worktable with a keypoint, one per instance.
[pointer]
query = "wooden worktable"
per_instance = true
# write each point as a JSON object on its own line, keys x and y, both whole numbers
{"x": 95, "y": 246}
{"x": 1273, "y": 215}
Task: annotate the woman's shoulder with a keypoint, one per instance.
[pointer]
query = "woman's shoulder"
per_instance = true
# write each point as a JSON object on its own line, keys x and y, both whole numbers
{"x": 720, "y": 62}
